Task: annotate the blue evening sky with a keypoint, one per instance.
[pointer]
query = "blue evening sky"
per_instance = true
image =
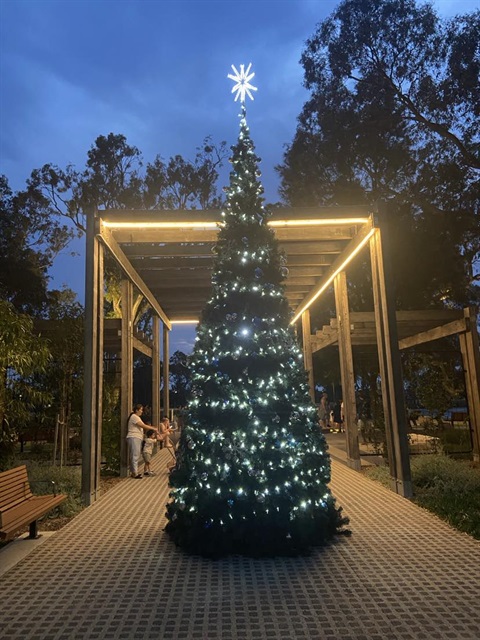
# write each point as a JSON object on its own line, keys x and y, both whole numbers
{"x": 154, "y": 71}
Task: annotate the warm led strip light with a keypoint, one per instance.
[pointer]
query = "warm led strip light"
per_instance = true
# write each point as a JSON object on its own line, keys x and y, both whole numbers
{"x": 214, "y": 225}
{"x": 335, "y": 273}
{"x": 314, "y": 223}
{"x": 161, "y": 225}
{"x": 184, "y": 321}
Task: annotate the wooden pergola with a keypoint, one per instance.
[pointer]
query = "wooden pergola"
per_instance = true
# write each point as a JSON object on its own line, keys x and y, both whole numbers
{"x": 167, "y": 256}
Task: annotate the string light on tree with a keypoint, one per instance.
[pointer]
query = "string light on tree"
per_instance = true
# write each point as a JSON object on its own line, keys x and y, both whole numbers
{"x": 252, "y": 468}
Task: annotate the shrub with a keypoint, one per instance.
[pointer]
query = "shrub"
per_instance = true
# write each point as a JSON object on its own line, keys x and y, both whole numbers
{"x": 68, "y": 480}
{"x": 455, "y": 440}
{"x": 111, "y": 428}
{"x": 447, "y": 487}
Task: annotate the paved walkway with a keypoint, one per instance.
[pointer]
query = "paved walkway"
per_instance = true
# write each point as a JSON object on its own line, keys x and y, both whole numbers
{"x": 112, "y": 573}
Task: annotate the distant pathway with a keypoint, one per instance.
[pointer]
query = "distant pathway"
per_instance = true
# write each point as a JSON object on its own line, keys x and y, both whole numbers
{"x": 112, "y": 573}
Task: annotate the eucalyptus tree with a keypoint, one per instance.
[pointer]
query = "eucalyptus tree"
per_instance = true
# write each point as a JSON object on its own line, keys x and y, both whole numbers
{"x": 185, "y": 184}
{"x": 23, "y": 356}
{"x": 30, "y": 238}
{"x": 393, "y": 114}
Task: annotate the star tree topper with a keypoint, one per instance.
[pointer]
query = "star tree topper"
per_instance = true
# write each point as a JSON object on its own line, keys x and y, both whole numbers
{"x": 242, "y": 79}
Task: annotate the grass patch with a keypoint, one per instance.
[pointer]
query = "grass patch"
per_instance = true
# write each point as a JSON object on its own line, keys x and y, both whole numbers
{"x": 449, "y": 488}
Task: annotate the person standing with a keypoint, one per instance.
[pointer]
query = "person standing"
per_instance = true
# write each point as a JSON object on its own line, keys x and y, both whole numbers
{"x": 147, "y": 451}
{"x": 323, "y": 412}
{"x": 135, "y": 429}
{"x": 338, "y": 416}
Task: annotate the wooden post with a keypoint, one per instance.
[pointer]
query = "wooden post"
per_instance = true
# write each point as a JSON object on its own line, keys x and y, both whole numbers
{"x": 100, "y": 337}
{"x": 347, "y": 371}
{"x": 166, "y": 373}
{"x": 62, "y": 443}
{"x": 156, "y": 372}
{"x": 93, "y": 365}
{"x": 126, "y": 397}
{"x": 307, "y": 352}
{"x": 471, "y": 365}
{"x": 55, "y": 441}
{"x": 390, "y": 364}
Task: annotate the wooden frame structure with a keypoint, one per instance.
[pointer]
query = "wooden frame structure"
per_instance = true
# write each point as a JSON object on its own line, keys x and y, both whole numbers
{"x": 418, "y": 328}
{"x": 167, "y": 257}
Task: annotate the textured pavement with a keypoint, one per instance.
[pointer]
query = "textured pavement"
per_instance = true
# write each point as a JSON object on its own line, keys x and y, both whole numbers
{"x": 113, "y": 573}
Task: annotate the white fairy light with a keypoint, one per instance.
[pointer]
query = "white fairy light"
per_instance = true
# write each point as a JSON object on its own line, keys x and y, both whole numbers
{"x": 242, "y": 79}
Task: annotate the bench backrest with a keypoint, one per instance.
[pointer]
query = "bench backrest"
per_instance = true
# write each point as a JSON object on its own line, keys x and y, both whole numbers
{"x": 14, "y": 487}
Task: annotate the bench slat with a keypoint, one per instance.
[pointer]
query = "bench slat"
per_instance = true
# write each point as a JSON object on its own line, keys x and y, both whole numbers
{"x": 13, "y": 494}
{"x": 18, "y": 506}
{"x": 31, "y": 510}
{"x": 14, "y": 486}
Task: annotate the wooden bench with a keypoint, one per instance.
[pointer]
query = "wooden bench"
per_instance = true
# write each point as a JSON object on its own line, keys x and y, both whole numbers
{"x": 18, "y": 505}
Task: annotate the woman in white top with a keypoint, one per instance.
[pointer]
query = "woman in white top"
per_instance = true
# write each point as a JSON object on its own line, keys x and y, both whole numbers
{"x": 135, "y": 429}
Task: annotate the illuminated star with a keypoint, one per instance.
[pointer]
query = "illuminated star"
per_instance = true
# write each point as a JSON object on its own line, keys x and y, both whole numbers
{"x": 242, "y": 78}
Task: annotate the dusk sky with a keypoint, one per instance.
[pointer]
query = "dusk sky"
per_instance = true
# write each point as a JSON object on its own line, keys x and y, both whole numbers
{"x": 154, "y": 71}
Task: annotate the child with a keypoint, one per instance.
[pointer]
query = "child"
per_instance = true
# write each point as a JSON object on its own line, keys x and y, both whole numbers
{"x": 165, "y": 431}
{"x": 147, "y": 451}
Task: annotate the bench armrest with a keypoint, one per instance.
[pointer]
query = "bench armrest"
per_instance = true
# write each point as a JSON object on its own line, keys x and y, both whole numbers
{"x": 51, "y": 483}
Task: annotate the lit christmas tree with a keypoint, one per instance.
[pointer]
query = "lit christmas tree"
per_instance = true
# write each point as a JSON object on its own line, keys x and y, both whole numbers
{"x": 252, "y": 468}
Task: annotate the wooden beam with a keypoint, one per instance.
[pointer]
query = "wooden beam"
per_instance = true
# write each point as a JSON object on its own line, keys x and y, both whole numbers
{"x": 156, "y": 372}
{"x": 206, "y": 215}
{"x": 435, "y": 316}
{"x": 143, "y": 348}
{"x": 449, "y": 329}
{"x": 337, "y": 264}
{"x": 106, "y": 237}
{"x": 164, "y": 235}
{"x": 324, "y": 341}
{"x": 293, "y": 280}
{"x": 166, "y": 372}
{"x": 93, "y": 366}
{"x": 320, "y": 233}
{"x": 201, "y": 250}
{"x": 175, "y": 275}
{"x": 390, "y": 366}
{"x": 332, "y": 247}
{"x": 126, "y": 392}
{"x": 309, "y": 260}
{"x": 307, "y": 352}
{"x": 170, "y": 262}
{"x": 469, "y": 346}
{"x": 347, "y": 373}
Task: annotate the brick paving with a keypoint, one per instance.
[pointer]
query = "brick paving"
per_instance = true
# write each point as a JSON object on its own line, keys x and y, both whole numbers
{"x": 112, "y": 573}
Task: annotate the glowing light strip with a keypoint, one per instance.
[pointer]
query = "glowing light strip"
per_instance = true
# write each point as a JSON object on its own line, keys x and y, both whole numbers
{"x": 184, "y": 321}
{"x": 190, "y": 224}
{"x": 161, "y": 225}
{"x": 316, "y": 222}
{"x": 335, "y": 273}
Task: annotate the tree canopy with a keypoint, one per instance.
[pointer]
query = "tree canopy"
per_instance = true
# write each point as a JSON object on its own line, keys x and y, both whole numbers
{"x": 394, "y": 115}
{"x": 115, "y": 178}
{"x": 30, "y": 238}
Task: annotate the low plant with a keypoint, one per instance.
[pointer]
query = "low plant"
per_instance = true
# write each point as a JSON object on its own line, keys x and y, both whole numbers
{"x": 447, "y": 487}
{"x": 67, "y": 480}
{"x": 455, "y": 440}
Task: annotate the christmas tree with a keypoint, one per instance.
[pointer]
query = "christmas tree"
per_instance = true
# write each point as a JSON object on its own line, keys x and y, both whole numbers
{"x": 252, "y": 467}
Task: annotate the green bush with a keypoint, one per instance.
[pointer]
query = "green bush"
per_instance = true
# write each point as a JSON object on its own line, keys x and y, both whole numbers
{"x": 379, "y": 474}
{"x": 68, "y": 480}
{"x": 111, "y": 429}
{"x": 447, "y": 487}
{"x": 454, "y": 440}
